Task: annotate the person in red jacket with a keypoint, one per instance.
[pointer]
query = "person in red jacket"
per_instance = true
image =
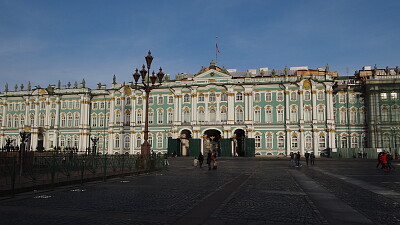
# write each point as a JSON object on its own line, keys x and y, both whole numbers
{"x": 383, "y": 161}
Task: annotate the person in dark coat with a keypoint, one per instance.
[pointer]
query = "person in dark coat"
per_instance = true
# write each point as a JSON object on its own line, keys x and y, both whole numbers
{"x": 201, "y": 159}
{"x": 312, "y": 157}
{"x": 209, "y": 160}
{"x": 307, "y": 155}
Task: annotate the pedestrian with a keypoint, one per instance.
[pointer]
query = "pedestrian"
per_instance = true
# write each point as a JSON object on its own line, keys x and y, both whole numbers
{"x": 379, "y": 159}
{"x": 312, "y": 157}
{"x": 201, "y": 159}
{"x": 166, "y": 163}
{"x": 195, "y": 162}
{"x": 292, "y": 159}
{"x": 215, "y": 164}
{"x": 209, "y": 160}
{"x": 383, "y": 161}
{"x": 389, "y": 158}
{"x": 298, "y": 159}
{"x": 307, "y": 155}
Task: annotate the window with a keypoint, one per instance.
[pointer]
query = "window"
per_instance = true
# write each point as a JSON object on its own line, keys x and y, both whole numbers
{"x": 362, "y": 115}
{"x": 307, "y": 96}
{"x": 239, "y": 96}
{"x": 160, "y": 115}
{"x": 127, "y": 117}
{"x": 293, "y": 114}
{"x": 320, "y": 95}
{"x": 268, "y": 114}
{"x": 16, "y": 106}
{"x": 77, "y": 104}
{"x": 269, "y": 141}
{"x": 307, "y": 114}
{"x": 224, "y": 97}
{"x": 186, "y": 98}
{"x": 223, "y": 114}
{"x": 281, "y": 141}
{"x": 258, "y": 141}
{"x": 342, "y": 98}
{"x": 117, "y": 117}
{"x": 102, "y": 105}
{"x": 16, "y": 121}
{"x": 353, "y": 116}
{"x": 70, "y": 105}
{"x": 279, "y": 96}
{"x": 393, "y": 95}
{"x": 151, "y": 117}
{"x": 101, "y": 120}
{"x": 201, "y": 97}
{"x": 279, "y": 112}
{"x": 53, "y": 105}
{"x": 321, "y": 114}
{"x": 9, "y": 121}
{"x": 344, "y": 142}
{"x": 384, "y": 96}
{"x": 308, "y": 142}
{"x": 42, "y": 105}
{"x": 213, "y": 115}
{"x": 201, "y": 115}
{"x": 107, "y": 119}
{"x": 94, "y": 105}
{"x": 268, "y": 96}
{"x": 128, "y": 101}
{"x": 151, "y": 100}
{"x": 151, "y": 140}
{"x": 127, "y": 142}
{"x": 33, "y": 105}
{"x": 212, "y": 97}
{"x": 117, "y": 141}
{"x": 186, "y": 115}
{"x": 343, "y": 116}
{"x": 170, "y": 100}
{"x": 139, "y": 101}
{"x": 63, "y": 120}
{"x": 94, "y": 121}
{"x": 239, "y": 114}
{"x": 41, "y": 120}
{"x": 118, "y": 101}
{"x": 139, "y": 117}
{"x": 257, "y": 115}
{"x": 160, "y": 100}
{"x": 138, "y": 141}
{"x": 159, "y": 141}
{"x": 395, "y": 113}
{"x": 385, "y": 113}
{"x": 352, "y": 98}
{"x": 321, "y": 141}
{"x": 354, "y": 142}
{"x": 257, "y": 97}
{"x": 294, "y": 141}
{"x": 170, "y": 117}
{"x": 293, "y": 96}
{"x": 23, "y": 106}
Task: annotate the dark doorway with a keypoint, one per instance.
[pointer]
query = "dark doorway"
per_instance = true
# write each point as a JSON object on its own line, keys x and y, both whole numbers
{"x": 239, "y": 142}
{"x": 40, "y": 147}
{"x": 186, "y": 135}
{"x": 211, "y": 142}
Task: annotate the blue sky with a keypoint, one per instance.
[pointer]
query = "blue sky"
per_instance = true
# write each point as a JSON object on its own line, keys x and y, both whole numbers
{"x": 47, "y": 41}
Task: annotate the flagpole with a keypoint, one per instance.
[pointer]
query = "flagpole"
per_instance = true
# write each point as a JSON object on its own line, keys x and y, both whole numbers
{"x": 216, "y": 50}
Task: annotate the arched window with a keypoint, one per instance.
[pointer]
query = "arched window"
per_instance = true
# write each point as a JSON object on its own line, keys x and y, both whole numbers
{"x": 151, "y": 117}
{"x": 16, "y": 120}
{"x": 321, "y": 141}
{"x": 257, "y": 97}
{"x": 293, "y": 96}
{"x": 223, "y": 114}
{"x": 386, "y": 141}
{"x": 159, "y": 141}
{"x": 307, "y": 96}
{"x": 170, "y": 116}
{"x": 307, "y": 114}
{"x": 170, "y": 99}
{"x": 70, "y": 120}
{"x": 268, "y": 114}
{"x": 353, "y": 116}
{"x": 186, "y": 115}
{"x": 294, "y": 141}
{"x": 22, "y": 121}
{"x": 94, "y": 120}
{"x": 117, "y": 141}
{"x": 212, "y": 97}
{"x": 101, "y": 120}
{"x": 279, "y": 114}
{"x": 127, "y": 142}
{"x": 293, "y": 113}
{"x": 160, "y": 115}
{"x": 224, "y": 97}
{"x": 258, "y": 140}
{"x": 41, "y": 120}
{"x": 127, "y": 117}
{"x": 76, "y": 141}
{"x": 308, "y": 142}
{"x": 344, "y": 142}
{"x": 320, "y": 95}
{"x": 354, "y": 142}
{"x": 321, "y": 114}
{"x": 257, "y": 115}
{"x": 343, "y": 116}
{"x": 281, "y": 141}
{"x": 151, "y": 140}
{"x": 63, "y": 120}
{"x": 138, "y": 142}
{"x": 385, "y": 113}
{"x": 201, "y": 97}
{"x": 117, "y": 117}
{"x": 269, "y": 141}
{"x": 186, "y": 98}
{"x": 139, "y": 117}
{"x": 239, "y": 114}
{"x": 201, "y": 115}
{"x": 213, "y": 115}
{"x": 239, "y": 96}
{"x": 128, "y": 101}
{"x": 268, "y": 96}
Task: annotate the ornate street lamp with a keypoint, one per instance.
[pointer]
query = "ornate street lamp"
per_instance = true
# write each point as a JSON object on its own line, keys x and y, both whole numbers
{"x": 148, "y": 83}
{"x": 95, "y": 140}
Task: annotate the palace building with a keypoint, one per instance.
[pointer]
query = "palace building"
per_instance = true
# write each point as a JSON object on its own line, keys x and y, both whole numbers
{"x": 236, "y": 113}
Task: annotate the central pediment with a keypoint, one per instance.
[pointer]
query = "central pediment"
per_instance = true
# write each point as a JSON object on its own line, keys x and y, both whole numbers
{"x": 212, "y": 72}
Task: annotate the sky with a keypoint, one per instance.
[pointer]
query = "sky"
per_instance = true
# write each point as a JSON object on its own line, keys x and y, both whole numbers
{"x": 46, "y": 41}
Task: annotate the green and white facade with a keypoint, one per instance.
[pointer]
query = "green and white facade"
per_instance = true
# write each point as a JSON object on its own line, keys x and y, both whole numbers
{"x": 280, "y": 111}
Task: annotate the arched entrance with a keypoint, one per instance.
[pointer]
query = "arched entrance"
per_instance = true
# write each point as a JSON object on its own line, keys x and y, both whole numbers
{"x": 185, "y": 137}
{"x": 211, "y": 141}
{"x": 239, "y": 142}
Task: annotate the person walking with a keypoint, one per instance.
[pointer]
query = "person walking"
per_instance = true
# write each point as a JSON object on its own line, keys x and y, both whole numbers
{"x": 307, "y": 155}
{"x": 312, "y": 157}
{"x": 379, "y": 159}
{"x": 201, "y": 159}
{"x": 292, "y": 164}
{"x": 298, "y": 159}
{"x": 209, "y": 160}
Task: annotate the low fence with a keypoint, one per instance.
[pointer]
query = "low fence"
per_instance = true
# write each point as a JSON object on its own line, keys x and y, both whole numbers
{"x": 32, "y": 172}
{"x": 366, "y": 153}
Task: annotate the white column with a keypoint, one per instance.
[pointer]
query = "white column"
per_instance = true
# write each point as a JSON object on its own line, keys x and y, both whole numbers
{"x": 231, "y": 106}
{"x": 302, "y": 142}
{"x": 194, "y": 105}
{"x": 246, "y": 106}
{"x": 122, "y": 118}
{"x": 57, "y": 122}
{"x": 206, "y": 110}
{"x": 218, "y": 110}
{"x": 177, "y": 110}
{"x": 315, "y": 141}
{"x": 301, "y": 106}
{"x": 287, "y": 105}
{"x": 314, "y": 105}
{"x": 288, "y": 141}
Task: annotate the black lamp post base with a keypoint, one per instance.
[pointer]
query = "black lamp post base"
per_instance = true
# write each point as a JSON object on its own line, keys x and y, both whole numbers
{"x": 145, "y": 149}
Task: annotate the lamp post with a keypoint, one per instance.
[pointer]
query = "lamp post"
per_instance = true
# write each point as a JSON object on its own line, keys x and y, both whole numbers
{"x": 148, "y": 83}
{"x": 95, "y": 140}
{"x": 24, "y": 137}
